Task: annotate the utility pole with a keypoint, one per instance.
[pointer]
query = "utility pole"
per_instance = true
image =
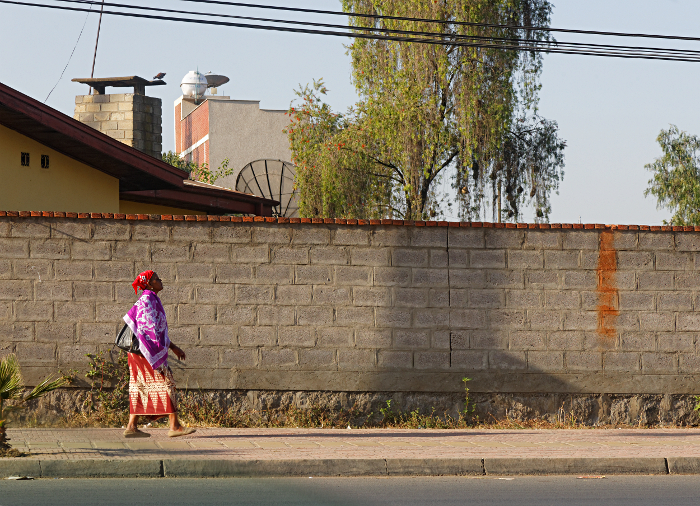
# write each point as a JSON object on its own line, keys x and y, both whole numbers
{"x": 94, "y": 57}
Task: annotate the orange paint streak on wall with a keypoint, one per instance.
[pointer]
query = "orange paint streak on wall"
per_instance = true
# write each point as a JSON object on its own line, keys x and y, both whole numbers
{"x": 607, "y": 288}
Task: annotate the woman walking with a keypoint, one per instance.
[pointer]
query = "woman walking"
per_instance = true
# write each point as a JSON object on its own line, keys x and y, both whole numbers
{"x": 152, "y": 390}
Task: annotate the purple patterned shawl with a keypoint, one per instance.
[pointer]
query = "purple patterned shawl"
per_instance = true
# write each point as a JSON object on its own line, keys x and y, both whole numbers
{"x": 146, "y": 319}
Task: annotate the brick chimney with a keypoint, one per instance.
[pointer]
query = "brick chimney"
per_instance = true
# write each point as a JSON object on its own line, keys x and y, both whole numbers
{"x": 132, "y": 118}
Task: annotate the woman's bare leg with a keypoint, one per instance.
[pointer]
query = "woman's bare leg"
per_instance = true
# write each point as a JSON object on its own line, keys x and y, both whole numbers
{"x": 133, "y": 420}
{"x": 174, "y": 422}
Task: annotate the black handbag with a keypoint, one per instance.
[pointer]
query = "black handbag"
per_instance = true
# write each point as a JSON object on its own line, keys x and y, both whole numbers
{"x": 127, "y": 341}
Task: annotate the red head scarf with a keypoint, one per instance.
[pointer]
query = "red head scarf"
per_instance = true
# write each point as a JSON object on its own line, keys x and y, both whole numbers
{"x": 141, "y": 281}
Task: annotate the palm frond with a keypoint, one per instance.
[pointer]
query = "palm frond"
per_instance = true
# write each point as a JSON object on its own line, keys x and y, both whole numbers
{"x": 45, "y": 387}
{"x": 10, "y": 378}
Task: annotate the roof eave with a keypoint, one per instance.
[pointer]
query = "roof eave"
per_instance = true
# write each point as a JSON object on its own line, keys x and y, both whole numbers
{"x": 211, "y": 202}
{"x": 54, "y": 129}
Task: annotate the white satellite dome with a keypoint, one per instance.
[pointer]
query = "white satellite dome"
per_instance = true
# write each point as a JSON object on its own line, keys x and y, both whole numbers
{"x": 194, "y": 84}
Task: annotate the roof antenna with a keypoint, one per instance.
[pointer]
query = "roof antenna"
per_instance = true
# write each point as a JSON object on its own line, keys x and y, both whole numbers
{"x": 97, "y": 40}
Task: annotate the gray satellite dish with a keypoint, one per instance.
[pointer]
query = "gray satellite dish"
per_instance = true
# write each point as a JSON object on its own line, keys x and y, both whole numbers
{"x": 272, "y": 179}
{"x": 214, "y": 80}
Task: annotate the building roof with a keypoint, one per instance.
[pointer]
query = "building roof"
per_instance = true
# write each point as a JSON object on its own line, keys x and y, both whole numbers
{"x": 140, "y": 176}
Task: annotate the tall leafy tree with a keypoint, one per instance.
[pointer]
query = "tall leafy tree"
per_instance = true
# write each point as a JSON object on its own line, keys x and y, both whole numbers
{"x": 676, "y": 176}
{"x": 425, "y": 108}
{"x": 337, "y": 174}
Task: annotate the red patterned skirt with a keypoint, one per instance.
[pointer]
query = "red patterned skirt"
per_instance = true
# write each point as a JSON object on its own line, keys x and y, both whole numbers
{"x": 151, "y": 393}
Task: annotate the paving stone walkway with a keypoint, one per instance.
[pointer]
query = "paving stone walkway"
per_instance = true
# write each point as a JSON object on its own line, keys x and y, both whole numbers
{"x": 289, "y": 444}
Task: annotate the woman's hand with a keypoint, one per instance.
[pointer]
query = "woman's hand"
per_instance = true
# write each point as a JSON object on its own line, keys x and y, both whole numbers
{"x": 178, "y": 352}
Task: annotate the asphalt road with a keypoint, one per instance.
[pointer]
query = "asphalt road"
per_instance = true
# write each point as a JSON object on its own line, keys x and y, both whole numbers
{"x": 540, "y": 491}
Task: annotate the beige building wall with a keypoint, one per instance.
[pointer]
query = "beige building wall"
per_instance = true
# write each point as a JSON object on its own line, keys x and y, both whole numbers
{"x": 242, "y": 132}
{"x": 67, "y": 185}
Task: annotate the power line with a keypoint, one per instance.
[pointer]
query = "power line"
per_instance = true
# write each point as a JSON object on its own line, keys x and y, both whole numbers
{"x": 558, "y": 44}
{"x": 97, "y": 39}
{"x": 70, "y": 57}
{"x": 681, "y": 56}
{"x": 440, "y": 21}
{"x": 304, "y": 23}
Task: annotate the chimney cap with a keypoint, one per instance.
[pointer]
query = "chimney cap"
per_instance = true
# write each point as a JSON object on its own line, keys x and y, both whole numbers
{"x": 100, "y": 83}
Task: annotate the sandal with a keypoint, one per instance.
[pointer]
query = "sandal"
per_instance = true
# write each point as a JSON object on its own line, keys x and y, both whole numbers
{"x": 135, "y": 433}
{"x": 182, "y": 432}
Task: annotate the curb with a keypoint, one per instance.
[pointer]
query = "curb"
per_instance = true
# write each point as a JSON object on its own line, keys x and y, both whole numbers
{"x": 19, "y": 467}
{"x": 435, "y": 467}
{"x": 179, "y": 468}
{"x": 684, "y": 465}
{"x": 185, "y": 468}
{"x": 542, "y": 466}
{"x": 101, "y": 468}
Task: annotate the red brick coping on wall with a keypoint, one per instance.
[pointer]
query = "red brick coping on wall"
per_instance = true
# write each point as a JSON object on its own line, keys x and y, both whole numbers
{"x": 342, "y": 221}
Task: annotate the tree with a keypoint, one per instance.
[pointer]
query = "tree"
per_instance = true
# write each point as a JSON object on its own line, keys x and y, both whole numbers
{"x": 172, "y": 158}
{"x": 676, "y": 176}
{"x": 336, "y": 176}
{"x": 198, "y": 172}
{"x": 425, "y": 108}
{"x": 12, "y": 391}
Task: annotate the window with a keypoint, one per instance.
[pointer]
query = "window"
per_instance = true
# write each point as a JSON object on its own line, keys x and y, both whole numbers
{"x": 44, "y": 161}
{"x": 25, "y": 159}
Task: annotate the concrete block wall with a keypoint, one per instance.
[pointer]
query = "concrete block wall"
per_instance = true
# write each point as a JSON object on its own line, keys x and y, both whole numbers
{"x": 280, "y": 304}
{"x": 135, "y": 120}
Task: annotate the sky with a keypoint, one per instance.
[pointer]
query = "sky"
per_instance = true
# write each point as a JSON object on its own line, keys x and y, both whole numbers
{"x": 609, "y": 110}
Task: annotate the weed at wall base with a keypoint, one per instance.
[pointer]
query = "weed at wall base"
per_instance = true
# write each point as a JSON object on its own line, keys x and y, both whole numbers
{"x": 106, "y": 404}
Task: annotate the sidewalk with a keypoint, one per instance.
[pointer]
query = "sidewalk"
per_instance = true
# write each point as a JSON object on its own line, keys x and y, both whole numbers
{"x": 72, "y": 453}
